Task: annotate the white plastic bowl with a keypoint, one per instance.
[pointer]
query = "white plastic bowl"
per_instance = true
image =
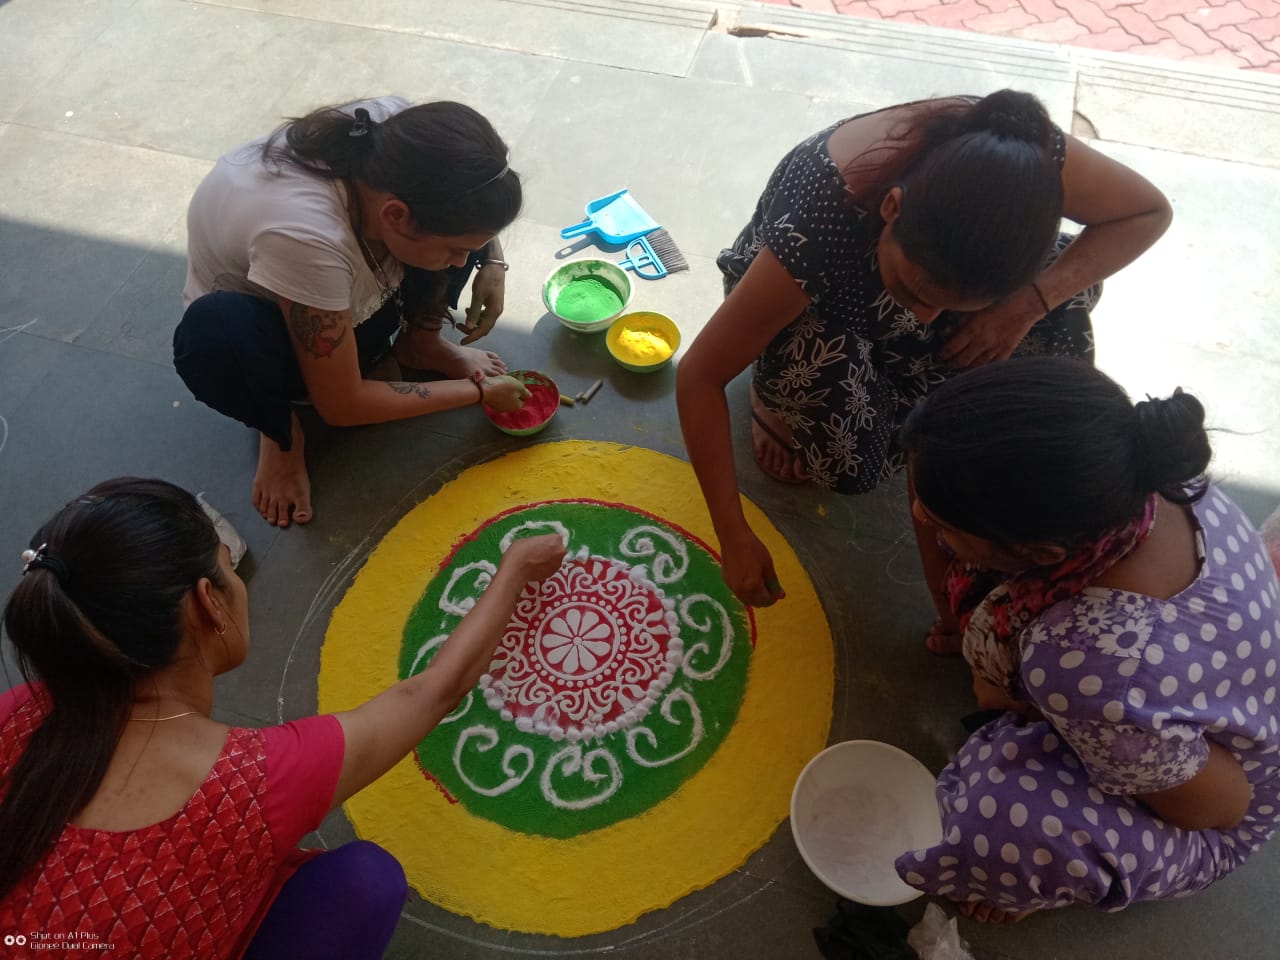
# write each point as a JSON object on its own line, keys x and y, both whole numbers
{"x": 858, "y": 806}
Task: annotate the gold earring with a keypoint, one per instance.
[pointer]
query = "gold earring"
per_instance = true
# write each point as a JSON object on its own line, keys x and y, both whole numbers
{"x": 222, "y": 631}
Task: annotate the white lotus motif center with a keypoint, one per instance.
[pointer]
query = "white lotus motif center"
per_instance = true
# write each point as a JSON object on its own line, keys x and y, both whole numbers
{"x": 578, "y": 639}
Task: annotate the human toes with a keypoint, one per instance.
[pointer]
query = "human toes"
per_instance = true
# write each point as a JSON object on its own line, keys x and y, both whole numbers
{"x": 795, "y": 465}
{"x": 277, "y": 512}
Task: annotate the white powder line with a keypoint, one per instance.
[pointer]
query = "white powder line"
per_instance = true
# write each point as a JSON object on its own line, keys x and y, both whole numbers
{"x": 661, "y": 933}
{"x": 8, "y": 333}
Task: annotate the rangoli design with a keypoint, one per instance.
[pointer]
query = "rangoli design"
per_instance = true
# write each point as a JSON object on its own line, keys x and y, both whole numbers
{"x": 616, "y": 678}
{"x": 638, "y": 731}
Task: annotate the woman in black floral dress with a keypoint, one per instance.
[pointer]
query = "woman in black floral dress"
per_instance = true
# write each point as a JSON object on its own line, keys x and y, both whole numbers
{"x": 888, "y": 251}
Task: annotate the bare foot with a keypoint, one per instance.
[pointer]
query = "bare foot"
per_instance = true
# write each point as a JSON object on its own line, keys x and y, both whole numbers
{"x": 281, "y": 487}
{"x": 773, "y": 446}
{"x": 986, "y": 913}
{"x": 429, "y": 350}
{"x": 944, "y": 638}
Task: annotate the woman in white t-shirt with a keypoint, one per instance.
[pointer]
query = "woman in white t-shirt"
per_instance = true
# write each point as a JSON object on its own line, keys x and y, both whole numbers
{"x": 313, "y": 250}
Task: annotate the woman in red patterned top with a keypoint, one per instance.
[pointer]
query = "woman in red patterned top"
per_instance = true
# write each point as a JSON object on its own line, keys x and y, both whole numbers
{"x": 130, "y": 818}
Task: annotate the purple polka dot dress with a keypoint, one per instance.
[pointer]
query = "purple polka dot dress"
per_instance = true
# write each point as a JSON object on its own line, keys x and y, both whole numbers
{"x": 1133, "y": 689}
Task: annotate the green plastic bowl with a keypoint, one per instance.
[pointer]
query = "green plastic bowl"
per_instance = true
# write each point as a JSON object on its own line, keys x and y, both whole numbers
{"x": 531, "y": 379}
{"x": 602, "y": 270}
{"x": 658, "y": 324}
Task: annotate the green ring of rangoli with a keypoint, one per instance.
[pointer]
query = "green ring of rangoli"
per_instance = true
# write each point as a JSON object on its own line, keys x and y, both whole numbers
{"x": 615, "y": 682}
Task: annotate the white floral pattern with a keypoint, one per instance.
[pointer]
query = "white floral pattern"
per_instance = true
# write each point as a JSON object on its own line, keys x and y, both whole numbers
{"x": 1125, "y": 638}
{"x": 578, "y": 640}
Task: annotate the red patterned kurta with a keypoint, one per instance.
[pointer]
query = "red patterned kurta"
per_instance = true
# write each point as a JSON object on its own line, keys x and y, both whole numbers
{"x": 197, "y": 884}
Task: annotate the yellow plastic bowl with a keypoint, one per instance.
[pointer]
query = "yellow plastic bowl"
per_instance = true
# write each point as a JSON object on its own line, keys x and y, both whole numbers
{"x": 632, "y": 339}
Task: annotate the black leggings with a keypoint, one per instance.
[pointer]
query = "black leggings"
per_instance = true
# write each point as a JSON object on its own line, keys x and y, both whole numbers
{"x": 233, "y": 351}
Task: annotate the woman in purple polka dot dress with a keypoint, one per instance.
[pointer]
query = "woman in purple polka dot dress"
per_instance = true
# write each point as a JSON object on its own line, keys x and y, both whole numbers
{"x": 1122, "y": 613}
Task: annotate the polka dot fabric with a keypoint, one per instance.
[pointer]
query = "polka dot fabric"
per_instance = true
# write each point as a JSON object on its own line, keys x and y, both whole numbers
{"x": 845, "y": 372}
{"x": 1133, "y": 689}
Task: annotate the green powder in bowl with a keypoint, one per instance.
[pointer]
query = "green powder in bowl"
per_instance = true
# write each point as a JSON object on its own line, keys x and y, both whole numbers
{"x": 588, "y": 299}
{"x": 586, "y": 295}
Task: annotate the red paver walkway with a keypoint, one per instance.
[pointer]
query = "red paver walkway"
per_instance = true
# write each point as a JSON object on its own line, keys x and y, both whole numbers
{"x": 1229, "y": 33}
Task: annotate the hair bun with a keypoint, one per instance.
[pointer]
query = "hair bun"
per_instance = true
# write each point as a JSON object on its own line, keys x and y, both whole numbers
{"x": 1173, "y": 447}
{"x": 1012, "y": 115}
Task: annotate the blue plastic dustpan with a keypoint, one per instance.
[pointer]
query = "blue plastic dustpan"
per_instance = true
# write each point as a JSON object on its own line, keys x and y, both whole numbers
{"x": 617, "y": 218}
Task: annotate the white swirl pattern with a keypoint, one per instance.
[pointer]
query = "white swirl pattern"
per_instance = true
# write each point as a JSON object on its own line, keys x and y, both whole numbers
{"x": 462, "y": 606}
{"x": 666, "y": 568}
{"x": 555, "y": 526}
{"x": 706, "y": 626}
{"x": 695, "y": 717}
{"x": 489, "y": 739}
{"x": 575, "y": 761}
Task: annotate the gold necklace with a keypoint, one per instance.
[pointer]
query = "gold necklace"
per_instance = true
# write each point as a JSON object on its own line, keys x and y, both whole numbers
{"x": 189, "y": 713}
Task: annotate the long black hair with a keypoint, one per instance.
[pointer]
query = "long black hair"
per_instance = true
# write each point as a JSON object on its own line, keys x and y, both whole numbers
{"x": 982, "y": 192}
{"x": 1050, "y": 450}
{"x": 443, "y": 160}
{"x": 98, "y": 612}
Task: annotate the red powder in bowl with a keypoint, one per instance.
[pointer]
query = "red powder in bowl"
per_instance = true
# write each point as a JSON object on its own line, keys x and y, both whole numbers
{"x": 537, "y": 410}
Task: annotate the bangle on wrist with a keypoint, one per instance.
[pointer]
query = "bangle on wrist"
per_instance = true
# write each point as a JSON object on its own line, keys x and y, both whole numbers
{"x": 494, "y": 262}
{"x": 479, "y": 389}
{"x": 1040, "y": 296}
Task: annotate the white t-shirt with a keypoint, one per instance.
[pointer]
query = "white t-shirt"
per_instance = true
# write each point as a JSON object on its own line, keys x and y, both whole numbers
{"x": 274, "y": 230}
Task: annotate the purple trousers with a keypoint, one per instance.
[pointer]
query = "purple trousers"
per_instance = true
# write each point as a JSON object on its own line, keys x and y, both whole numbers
{"x": 341, "y": 905}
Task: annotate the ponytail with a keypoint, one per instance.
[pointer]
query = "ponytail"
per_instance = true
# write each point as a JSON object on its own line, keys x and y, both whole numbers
{"x": 97, "y": 610}
{"x": 444, "y": 160}
{"x": 1050, "y": 450}
{"x": 1009, "y": 115}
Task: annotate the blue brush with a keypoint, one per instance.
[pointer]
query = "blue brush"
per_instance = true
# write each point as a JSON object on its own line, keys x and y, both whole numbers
{"x": 644, "y": 258}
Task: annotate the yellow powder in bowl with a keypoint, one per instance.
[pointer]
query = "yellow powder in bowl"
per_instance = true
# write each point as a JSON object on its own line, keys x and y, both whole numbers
{"x": 643, "y": 346}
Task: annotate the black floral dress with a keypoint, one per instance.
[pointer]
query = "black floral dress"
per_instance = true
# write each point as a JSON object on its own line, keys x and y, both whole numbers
{"x": 844, "y": 374}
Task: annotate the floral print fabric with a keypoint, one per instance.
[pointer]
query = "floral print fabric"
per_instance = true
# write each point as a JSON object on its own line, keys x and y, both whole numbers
{"x": 844, "y": 373}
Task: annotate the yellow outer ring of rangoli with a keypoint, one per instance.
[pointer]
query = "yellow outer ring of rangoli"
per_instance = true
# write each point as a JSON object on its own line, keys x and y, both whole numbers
{"x": 607, "y": 878}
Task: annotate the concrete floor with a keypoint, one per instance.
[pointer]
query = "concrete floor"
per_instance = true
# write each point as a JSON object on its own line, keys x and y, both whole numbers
{"x": 111, "y": 111}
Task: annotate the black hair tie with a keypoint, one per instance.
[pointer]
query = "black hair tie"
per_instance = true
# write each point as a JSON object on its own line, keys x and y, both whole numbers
{"x": 39, "y": 558}
{"x": 362, "y": 124}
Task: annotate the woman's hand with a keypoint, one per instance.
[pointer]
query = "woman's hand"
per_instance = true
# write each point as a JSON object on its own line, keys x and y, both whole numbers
{"x": 993, "y": 333}
{"x": 379, "y": 733}
{"x": 488, "y": 297}
{"x": 536, "y": 558}
{"x": 748, "y": 570}
{"x": 1216, "y": 798}
{"x": 991, "y": 697}
{"x": 505, "y": 394}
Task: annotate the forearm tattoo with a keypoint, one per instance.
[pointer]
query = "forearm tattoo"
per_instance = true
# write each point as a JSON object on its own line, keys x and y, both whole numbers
{"x": 320, "y": 332}
{"x": 418, "y": 390}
